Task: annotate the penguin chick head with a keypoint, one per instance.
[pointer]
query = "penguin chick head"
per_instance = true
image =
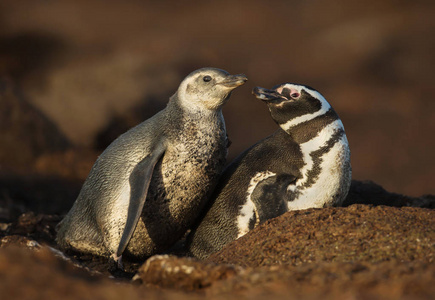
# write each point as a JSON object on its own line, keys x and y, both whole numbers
{"x": 208, "y": 88}
{"x": 292, "y": 102}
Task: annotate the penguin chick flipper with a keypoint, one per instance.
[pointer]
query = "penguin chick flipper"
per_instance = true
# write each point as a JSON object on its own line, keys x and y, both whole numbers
{"x": 140, "y": 180}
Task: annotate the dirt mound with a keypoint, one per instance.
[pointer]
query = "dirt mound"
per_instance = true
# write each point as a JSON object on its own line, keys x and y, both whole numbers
{"x": 358, "y": 233}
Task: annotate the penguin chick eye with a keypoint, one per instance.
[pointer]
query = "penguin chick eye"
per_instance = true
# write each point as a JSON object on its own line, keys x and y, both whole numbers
{"x": 206, "y": 78}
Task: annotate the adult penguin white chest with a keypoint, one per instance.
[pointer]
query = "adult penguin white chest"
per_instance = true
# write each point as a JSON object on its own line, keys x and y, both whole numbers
{"x": 304, "y": 164}
{"x": 150, "y": 184}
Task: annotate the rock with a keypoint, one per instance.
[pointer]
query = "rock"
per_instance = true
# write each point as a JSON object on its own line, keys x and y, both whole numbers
{"x": 368, "y": 192}
{"x": 33, "y": 226}
{"x": 4, "y": 226}
{"x": 186, "y": 274}
{"x": 21, "y": 241}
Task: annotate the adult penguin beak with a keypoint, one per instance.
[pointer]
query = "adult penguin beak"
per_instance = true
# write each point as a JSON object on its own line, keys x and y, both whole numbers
{"x": 233, "y": 81}
{"x": 265, "y": 94}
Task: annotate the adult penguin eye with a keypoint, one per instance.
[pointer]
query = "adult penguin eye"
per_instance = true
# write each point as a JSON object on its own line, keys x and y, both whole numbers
{"x": 295, "y": 95}
{"x": 206, "y": 78}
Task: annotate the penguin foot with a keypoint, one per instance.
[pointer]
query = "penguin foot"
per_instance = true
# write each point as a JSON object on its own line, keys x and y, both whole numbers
{"x": 115, "y": 263}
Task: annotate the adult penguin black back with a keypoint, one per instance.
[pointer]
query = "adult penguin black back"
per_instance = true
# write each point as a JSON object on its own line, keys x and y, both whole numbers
{"x": 304, "y": 164}
{"x": 149, "y": 186}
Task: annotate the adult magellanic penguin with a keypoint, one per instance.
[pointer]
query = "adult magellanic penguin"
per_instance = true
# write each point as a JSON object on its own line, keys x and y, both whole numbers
{"x": 304, "y": 164}
{"x": 148, "y": 187}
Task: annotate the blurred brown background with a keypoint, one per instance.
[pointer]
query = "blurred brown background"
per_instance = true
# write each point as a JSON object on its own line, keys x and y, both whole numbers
{"x": 74, "y": 74}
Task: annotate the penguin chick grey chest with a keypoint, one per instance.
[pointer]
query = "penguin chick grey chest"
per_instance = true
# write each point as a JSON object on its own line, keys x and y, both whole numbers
{"x": 150, "y": 184}
{"x": 304, "y": 164}
{"x": 189, "y": 164}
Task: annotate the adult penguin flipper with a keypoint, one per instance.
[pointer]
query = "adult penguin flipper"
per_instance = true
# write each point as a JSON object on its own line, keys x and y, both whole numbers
{"x": 139, "y": 180}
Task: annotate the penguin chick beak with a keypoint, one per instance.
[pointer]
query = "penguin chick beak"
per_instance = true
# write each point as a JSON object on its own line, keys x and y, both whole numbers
{"x": 265, "y": 94}
{"x": 233, "y": 81}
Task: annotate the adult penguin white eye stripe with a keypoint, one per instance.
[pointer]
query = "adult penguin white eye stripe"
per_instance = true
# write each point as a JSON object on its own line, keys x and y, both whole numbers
{"x": 325, "y": 107}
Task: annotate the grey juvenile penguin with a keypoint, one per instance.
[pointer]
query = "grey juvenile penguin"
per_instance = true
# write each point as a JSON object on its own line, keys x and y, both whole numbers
{"x": 147, "y": 188}
{"x": 304, "y": 164}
